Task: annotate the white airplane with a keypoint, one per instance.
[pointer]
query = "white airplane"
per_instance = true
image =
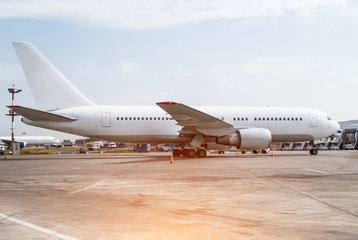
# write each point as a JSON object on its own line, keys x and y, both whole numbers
{"x": 64, "y": 108}
{"x": 28, "y": 140}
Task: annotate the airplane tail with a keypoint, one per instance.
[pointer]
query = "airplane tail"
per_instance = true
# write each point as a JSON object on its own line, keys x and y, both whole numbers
{"x": 51, "y": 89}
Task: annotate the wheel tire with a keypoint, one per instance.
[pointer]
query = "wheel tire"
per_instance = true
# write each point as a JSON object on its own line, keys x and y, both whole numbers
{"x": 201, "y": 153}
{"x": 255, "y": 152}
{"x": 177, "y": 152}
{"x": 190, "y": 153}
{"x": 243, "y": 152}
{"x": 313, "y": 151}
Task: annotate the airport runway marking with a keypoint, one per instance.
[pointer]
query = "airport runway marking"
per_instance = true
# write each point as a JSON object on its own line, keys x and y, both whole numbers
{"x": 98, "y": 183}
{"x": 317, "y": 171}
{"x": 38, "y": 228}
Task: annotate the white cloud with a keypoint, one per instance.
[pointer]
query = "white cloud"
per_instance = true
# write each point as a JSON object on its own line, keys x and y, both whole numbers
{"x": 142, "y": 14}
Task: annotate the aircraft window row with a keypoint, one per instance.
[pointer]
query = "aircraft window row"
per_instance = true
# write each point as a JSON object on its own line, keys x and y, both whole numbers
{"x": 241, "y": 119}
{"x": 278, "y": 119}
{"x": 144, "y": 118}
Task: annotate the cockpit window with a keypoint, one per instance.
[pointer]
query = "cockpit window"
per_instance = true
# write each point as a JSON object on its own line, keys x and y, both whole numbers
{"x": 329, "y": 118}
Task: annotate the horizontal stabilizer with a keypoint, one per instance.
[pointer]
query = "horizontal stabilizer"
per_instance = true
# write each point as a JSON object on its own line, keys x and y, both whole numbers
{"x": 38, "y": 115}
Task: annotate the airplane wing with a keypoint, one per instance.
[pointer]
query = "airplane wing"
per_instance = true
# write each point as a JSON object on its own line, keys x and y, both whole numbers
{"x": 192, "y": 119}
{"x": 38, "y": 115}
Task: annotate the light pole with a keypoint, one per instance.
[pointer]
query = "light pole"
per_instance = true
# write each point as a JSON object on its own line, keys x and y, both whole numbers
{"x": 12, "y": 90}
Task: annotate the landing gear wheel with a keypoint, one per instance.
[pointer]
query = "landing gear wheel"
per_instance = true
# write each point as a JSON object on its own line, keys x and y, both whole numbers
{"x": 313, "y": 151}
{"x": 190, "y": 153}
{"x": 201, "y": 153}
{"x": 176, "y": 152}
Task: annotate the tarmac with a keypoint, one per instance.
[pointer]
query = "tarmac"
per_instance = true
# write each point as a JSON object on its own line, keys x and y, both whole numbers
{"x": 291, "y": 195}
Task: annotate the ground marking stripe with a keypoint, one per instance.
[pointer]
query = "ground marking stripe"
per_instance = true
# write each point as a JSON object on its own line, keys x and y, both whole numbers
{"x": 312, "y": 170}
{"x": 38, "y": 228}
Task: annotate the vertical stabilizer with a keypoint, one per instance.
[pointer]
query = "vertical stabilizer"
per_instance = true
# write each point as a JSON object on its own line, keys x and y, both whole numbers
{"x": 51, "y": 89}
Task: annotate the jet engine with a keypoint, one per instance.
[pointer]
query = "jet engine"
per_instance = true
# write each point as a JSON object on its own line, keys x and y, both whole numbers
{"x": 250, "y": 139}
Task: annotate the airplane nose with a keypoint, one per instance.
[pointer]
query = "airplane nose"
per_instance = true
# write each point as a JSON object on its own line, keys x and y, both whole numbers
{"x": 335, "y": 126}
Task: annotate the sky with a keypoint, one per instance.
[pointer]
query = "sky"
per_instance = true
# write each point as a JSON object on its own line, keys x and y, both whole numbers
{"x": 299, "y": 53}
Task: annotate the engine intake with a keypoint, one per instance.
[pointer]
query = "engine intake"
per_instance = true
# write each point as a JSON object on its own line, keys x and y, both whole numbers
{"x": 250, "y": 139}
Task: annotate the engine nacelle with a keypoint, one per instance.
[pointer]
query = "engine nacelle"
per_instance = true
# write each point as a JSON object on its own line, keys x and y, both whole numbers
{"x": 250, "y": 139}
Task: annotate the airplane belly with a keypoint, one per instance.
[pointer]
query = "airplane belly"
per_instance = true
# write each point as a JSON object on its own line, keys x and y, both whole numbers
{"x": 144, "y": 134}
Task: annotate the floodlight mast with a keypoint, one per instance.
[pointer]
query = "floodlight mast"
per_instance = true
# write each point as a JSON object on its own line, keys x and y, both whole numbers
{"x": 12, "y": 90}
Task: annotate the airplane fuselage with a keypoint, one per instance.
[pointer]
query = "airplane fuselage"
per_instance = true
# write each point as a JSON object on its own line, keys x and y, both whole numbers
{"x": 150, "y": 124}
{"x": 36, "y": 140}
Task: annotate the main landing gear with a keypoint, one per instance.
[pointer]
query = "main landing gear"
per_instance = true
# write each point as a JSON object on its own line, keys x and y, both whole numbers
{"x": 200, "y": 152}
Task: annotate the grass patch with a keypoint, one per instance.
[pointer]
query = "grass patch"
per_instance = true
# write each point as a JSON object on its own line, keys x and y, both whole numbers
{"x": 44, "y": 151}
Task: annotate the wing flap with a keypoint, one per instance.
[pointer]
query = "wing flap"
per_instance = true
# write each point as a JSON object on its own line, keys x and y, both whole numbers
{"x": 38, "y": 115}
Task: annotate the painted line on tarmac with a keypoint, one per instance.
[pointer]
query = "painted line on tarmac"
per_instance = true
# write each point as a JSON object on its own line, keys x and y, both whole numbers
{"x": 312, "y": 170}
{"x": 38, "y": 228}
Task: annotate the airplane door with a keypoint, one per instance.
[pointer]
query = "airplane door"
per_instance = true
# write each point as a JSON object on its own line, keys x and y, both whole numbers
{"x": 313, "y": 120}
{"x": 106, "y": 119}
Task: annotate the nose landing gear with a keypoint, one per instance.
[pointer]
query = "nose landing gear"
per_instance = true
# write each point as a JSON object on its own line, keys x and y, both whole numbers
{"x": 313, "y": 151}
